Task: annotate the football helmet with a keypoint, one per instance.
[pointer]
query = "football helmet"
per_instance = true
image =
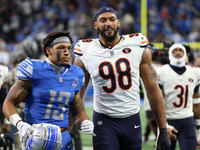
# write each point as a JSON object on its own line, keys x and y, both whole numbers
{"x": 43, "y": 136}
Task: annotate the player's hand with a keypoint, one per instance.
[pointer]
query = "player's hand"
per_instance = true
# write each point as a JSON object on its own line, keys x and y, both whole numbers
{"x": 163, "y": 142}
{"x": 172, "y": 132}
{"x": 198, "y": 138}
{"x": 87, "y": 127}
{"x": 22, "y": 127}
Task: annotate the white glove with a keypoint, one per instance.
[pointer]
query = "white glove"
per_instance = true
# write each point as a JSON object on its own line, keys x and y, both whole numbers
{"x": 87, "y": 127}
{"x": 16, "y": 120}
{"x": 22, "y": 127}
{"x": 198, "y": 135}
{"x": 170, "y": 127}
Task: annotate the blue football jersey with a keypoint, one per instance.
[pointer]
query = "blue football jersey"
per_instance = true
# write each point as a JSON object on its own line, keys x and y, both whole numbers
{"x": 50, "y": 95}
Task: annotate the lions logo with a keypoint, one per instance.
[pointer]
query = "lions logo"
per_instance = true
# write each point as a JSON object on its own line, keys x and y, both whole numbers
{"x": 126, "y": 50}
{"x": 190, "y": 80}
{"x": 75, "y": 83}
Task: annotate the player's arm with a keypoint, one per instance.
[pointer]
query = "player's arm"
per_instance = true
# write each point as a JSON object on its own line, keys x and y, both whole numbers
{"x": 16, "y": 94}
{"x": 79, "y": 63}
{"x": 154, "y": 94}
{"x": 77, "y": 110}
{"x": 155, "y": 98}
{"x": 196, "y": 110}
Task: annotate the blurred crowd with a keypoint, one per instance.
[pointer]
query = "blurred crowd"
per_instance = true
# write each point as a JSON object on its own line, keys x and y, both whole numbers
{"x": 23, "y": 23}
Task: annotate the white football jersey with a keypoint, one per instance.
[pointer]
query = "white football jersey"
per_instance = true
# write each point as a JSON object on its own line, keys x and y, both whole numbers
{"x": 3, "y": 74}
{"x": 115, "y": 73}
{"x": 178, "y": 90}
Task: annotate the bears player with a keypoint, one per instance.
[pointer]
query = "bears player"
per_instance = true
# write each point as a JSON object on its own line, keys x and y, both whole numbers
{"x": 115, "y": 63}
{"x": 178, "y": 83}
{"x": 50, "y": 87}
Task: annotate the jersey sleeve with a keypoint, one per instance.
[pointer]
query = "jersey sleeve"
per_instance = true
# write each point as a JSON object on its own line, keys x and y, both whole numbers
{"x": 25, "y": 69}
{"x": 80, "y": 46}
{"x": 139, "y": 39}
{"x": 197, "y": 69}
{"x": 78, "y": 49}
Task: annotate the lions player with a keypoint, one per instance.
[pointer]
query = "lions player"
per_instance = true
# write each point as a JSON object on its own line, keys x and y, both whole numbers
{"x": 49, "y": 88}
{"x": 115, "y": 64}
{"x": 178, "y": 83}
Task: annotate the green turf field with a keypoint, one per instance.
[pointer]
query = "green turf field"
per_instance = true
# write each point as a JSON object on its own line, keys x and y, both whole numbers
{"x": 87, "y": 139}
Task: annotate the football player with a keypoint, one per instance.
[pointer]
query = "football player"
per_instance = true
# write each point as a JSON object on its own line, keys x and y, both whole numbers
{"x": 3, "y": 89}
{"x": 179, "y": 85}
{"x": 50, "y": 87}
{"x": 115, "y": 63}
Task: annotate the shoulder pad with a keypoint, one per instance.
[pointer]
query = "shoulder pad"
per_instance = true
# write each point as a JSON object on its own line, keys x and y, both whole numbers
{"x": 139, "y": 38}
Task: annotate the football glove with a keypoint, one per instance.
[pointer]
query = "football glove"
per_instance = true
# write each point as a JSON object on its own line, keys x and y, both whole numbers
{"x": 87, "y": 127}
{"x": 163, "y": 142}
{"x": 22, "y": 127}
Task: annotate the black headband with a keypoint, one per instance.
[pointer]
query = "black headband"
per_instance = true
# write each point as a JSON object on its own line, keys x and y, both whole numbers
{"x": 103, "y": 10}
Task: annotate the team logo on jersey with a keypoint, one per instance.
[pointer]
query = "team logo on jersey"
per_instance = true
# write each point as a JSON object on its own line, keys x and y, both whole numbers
{"x": 126, "y": 50}
{"x": 190, "y": 80}
{"x": 111, "y": 53}
{"x": 75, "y": 83}
{"x": 60, "y": 79}
{"x": 99, "y": 122}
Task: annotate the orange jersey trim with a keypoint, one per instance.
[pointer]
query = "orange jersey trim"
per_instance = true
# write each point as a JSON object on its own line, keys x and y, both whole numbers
{"x": 77, "y": 49}
{"x": 143, "y": 42}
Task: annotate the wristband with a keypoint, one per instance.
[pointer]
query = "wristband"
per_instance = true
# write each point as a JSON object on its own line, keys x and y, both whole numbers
{"x": 197, "y": 122}
{"x": 15, "y": 119}
{"x": 169, "y": 126}
{"x": 196, "y": 100}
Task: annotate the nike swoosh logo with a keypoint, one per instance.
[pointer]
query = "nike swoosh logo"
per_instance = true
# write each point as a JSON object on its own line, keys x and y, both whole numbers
{"x": 69, "y": 146}
{"x": 135, "y": 126}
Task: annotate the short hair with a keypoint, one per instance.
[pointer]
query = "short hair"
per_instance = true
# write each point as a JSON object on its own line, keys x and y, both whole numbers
{"x": 52, "y": 36}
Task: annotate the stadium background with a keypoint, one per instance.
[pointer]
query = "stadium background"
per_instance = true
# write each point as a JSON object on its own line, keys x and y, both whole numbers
{"x": 23, "y": 23}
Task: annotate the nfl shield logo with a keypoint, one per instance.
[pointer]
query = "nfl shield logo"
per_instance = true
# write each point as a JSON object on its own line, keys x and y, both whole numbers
{"x": 111, "y": 53}
{"x": 60, "y": 79}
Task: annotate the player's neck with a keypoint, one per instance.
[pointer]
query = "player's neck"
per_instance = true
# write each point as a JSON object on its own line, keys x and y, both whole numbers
{"x": 108, "y": 44}
{"x": 179, "y": 70}
{"x": 57, "y": 69}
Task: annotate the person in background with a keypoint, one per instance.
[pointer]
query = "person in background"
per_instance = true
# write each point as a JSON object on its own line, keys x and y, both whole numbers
{"x": 3, "y": 89}
{"x": 15, "y": 59}
{"x": 178, "y": 83}
{"x": 115, "y": 63}
{"x": 197, "y": 62}
{"x": 49, "y": 87}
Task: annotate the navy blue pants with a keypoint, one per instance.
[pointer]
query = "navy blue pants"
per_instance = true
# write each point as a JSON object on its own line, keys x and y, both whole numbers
{"x": 117, "y": 133}
{"x": 187, "y": 133}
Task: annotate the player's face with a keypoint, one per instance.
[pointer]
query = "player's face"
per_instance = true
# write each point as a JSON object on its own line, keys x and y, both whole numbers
{"x": 107, "y": 26}
{"x": 178, "y": 53}
{"x": 60, "y": 54}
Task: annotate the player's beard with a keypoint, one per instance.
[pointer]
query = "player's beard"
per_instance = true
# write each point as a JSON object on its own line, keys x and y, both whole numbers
{"x": 109, "y": 38}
